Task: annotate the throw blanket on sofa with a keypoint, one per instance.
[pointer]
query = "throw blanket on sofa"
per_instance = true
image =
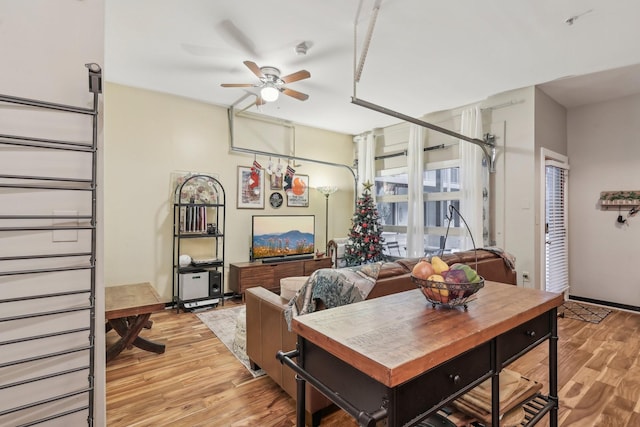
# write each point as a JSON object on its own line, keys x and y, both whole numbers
{"x": 508, "y": 258}
{"x": 333, "y": 287}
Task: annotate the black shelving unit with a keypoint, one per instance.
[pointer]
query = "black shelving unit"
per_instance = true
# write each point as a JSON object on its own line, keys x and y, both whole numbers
{"x": 198, "y": 233}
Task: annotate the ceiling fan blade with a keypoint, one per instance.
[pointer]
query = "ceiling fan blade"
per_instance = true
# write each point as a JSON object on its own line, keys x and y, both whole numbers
{"x": 294, "y": 93}
{"x": 237, "y": 85}
{"x": 236, "y": 38}
{"x": 260, "y": 101}
{"x": 298, "y": 75}
{"x": 254, "y": 68}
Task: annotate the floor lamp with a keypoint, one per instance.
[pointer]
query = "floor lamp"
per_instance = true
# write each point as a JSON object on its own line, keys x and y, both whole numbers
{"x": 327, "y": 190}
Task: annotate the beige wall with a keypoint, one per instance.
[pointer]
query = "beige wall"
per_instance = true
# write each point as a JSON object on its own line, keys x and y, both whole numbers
{"x": 550, "y": 134}
{"x": 149, "y": 134}
{"x": 512, "y": 123}
{"x": 604, "y": 153}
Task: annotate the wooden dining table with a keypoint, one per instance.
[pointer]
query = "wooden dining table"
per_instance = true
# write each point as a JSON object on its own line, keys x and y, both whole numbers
{"x": 128, "y": 309}
{"x": 401, "y": 359}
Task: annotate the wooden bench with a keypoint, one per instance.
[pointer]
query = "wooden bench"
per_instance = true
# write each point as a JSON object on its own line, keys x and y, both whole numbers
{"x": 127, "y": 311}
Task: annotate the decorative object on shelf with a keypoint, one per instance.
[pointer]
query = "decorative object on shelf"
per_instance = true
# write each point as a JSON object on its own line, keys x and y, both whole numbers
{"x": 275, "y": 200}
{"x": 365, "y": 237}
{"x": 212, "y": 229}
{"x": 184, "y": 260}
{"x": 250, "y": 188}
{"x": 298, "y": 194}
{"x": 326, "y": 190}
{"x": 197, "y": 190}
{"x": 622, "y": 199}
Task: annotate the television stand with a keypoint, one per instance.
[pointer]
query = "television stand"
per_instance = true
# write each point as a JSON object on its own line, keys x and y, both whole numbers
{"x": 287, "y": 258}
{"x": 244, "y": 275}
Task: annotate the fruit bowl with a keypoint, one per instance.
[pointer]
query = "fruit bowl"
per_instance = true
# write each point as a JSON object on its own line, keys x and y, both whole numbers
{"x": 448, "y": 294}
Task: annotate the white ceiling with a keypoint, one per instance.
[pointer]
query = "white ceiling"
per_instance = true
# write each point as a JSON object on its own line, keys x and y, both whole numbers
{"x": 424, "y": 56}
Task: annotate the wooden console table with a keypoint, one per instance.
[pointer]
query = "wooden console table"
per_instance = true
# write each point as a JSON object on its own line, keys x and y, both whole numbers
{"x": 244, "y": 275}
{"x": 127, "y": 311}
{"x": 397, "y": 357}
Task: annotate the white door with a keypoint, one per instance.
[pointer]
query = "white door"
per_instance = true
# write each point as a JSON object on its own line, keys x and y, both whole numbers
{"x": 556, "y": 226}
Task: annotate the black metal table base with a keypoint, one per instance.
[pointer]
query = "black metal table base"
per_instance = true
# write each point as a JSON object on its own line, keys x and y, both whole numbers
{"x": 413, "y": 402}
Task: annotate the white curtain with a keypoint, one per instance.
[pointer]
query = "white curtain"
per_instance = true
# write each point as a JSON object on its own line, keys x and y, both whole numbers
{"x": 415, "y": 218}
{"x": 366, "y": 162}
{"x": 471, "y": 178}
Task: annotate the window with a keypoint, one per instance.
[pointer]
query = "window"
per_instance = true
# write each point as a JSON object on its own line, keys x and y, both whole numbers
{"x": 441, "y": 186}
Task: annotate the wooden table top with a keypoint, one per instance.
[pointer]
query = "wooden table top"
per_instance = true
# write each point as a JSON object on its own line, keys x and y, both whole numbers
{"x": 397, "y": 337}
{"x": 131, "y": 300}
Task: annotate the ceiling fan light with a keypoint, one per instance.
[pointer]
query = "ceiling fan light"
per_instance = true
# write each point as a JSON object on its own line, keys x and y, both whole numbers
{"x": 269, "y": 93}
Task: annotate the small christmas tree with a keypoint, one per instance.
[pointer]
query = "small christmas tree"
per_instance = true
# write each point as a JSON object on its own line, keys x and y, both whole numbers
{"x": 365, "y": 240}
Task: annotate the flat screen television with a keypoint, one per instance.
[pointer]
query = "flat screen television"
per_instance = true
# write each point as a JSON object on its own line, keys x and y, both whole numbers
{"x": 282, "y": 237}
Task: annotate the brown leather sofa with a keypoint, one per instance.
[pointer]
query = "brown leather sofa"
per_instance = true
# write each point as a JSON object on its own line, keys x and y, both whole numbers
{"x": 267, "y": 330}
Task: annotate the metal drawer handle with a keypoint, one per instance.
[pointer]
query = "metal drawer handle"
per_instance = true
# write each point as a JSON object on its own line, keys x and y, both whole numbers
{"x": 531, "y": 333}
{"x": 455, "y": 378}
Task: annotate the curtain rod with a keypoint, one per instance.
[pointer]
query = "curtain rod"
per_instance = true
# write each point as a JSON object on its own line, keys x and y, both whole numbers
{"x": 405, "y": 152}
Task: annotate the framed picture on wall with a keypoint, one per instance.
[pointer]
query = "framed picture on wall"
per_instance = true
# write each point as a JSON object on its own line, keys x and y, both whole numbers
{"x": 276, "y": 181}
{"x": 298, "y": 191}
{"x": 250, "y": 188}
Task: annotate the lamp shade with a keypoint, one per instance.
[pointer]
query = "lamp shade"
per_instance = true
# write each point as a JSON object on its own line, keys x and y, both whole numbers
{"x": 327, "y": 189}
{"x": 269, "y": 93}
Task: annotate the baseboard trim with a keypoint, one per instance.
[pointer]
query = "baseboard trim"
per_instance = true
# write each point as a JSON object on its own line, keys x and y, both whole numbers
{"x": 605, "y": 303}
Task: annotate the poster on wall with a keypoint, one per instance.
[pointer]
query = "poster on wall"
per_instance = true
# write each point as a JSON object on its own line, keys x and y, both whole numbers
{"x": 298, "y": 193}
{"x": 250, "y": 187}
{"x": 276, "y": 181}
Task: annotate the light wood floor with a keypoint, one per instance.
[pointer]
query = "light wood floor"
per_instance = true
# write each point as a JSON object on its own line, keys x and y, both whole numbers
{"x": 198, "y": 382}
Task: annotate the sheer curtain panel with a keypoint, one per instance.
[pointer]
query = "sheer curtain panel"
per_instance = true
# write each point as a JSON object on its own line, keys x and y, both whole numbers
{"x": 415, "y": 219}
{"x": 471, "y": 177}
{"x": 366, "y": 161}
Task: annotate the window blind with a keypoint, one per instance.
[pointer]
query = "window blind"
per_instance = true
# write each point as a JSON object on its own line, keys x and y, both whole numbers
{"x": 556, "y": 230}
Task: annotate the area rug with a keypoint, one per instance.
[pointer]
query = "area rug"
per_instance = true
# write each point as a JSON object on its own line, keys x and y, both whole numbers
{"x": 584, "y": 312}
{"x": 223, "y": 322}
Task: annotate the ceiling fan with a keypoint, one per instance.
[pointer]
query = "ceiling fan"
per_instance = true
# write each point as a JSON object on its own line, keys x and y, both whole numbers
{"x": 271, "y": 84}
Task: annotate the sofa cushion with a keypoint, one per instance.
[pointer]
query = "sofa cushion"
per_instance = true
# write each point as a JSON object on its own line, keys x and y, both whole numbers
{"x": 290, "y": 285}
{"x": 408, "y": 263}
{"x": 391, "y": 269}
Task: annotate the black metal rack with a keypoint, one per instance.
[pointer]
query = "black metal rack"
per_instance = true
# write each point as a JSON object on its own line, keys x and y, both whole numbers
{"x": 199, "y": 200}
{"x": 48, "y": 279}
